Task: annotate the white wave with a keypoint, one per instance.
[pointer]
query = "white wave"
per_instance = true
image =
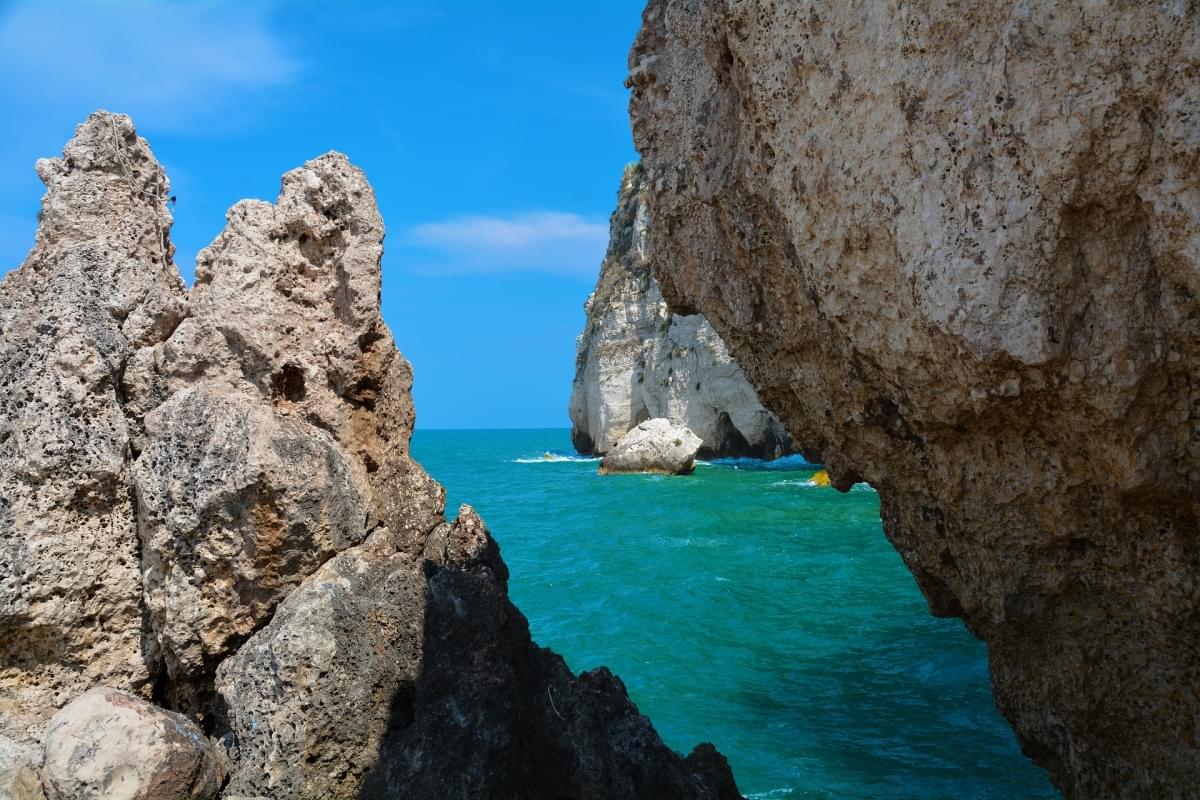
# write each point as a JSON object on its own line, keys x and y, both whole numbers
{"x": 554, "y": 458}
{"x": 807, "y": 484}
{"x": 811, "y": 484}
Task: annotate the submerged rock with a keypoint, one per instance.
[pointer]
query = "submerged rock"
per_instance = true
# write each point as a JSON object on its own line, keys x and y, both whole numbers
{"x": 635, "y": 359}
{"x": 108, "y": 744}
{"x": 964, "y": 266}
{"x": 208, "y": 498}
{"x": 657, "y": 445}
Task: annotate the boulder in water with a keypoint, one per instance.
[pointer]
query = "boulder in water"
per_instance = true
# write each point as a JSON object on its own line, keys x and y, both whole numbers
{"x": 656, "y": 445}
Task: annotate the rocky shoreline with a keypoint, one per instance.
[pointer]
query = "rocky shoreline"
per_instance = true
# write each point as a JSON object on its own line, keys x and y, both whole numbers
{"x": 207, "y": 504}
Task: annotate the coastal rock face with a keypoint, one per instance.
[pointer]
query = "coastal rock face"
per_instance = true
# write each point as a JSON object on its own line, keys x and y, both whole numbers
{"x": 441, "y": 671}
{"x": 957, "y": 248}
{"x": 349, "y": 638}
{"x": 285, "y": 313}
{"x": 506, "y": 718}
{"x": 208, "y": 500}
{"x": 108, "y": 744}
{"x": 98, "y": 287}
{"x": 237, "y": 505}
{"x": 657, "y": 446}
{"x": 636, "y": 360}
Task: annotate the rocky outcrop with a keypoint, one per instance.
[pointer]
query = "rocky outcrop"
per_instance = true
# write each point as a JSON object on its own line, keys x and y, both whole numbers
{"x": 466, "y": 705}
{"x": 955, "y": 247}
{"x": 237, "y": 505}
{"x": 107, "y": 744}
{"x": 97, "y": 286}
{"x": 636, "y": 360}
{"x": 209, "y": 503}
{"x": 657, "y": 446}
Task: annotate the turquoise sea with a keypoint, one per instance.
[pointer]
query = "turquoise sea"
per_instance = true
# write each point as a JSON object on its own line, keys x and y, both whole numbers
{"x": 746, "y": 606}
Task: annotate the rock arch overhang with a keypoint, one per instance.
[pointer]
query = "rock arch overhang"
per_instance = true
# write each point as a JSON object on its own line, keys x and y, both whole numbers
{"x": 956, "y": 249}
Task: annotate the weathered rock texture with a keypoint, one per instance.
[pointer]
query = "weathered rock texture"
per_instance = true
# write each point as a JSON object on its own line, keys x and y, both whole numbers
{"x": 207, "y": 498}
{"x": 636, "y": 360}
{"x": 442, "y": 674}
{"x": 20, "y": 778}
{"x": 657, "y": 445}
{"x": 108, "y": 744}
{"x": 237, "y": 504}
{"x": 97, "y": 287}
{"x": 956, "y": 246}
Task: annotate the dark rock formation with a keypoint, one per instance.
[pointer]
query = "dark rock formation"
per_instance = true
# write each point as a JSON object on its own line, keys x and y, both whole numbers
{"x": 208, "y": 499}
{"x": 956, "y": 248}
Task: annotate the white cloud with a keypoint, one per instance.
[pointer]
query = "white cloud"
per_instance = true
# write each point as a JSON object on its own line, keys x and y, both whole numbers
{"x": 176, "y": 63}
{"x": 547, "y": 241}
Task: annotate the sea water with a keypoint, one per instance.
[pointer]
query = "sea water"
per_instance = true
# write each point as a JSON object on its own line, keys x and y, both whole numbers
{"x": 746, "y": 606}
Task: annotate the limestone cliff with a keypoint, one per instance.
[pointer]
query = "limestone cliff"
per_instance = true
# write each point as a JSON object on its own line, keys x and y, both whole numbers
{"x": 635, "y": 360}
{"x": 956, "y": 246}
{"x": 207, "y": 500}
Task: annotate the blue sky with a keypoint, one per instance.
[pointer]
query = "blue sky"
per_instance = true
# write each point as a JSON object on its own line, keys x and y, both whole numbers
{"x": 494, "y": 135}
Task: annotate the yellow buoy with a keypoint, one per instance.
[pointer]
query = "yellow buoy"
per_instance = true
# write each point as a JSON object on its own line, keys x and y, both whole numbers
{"x": 820, "y": 478}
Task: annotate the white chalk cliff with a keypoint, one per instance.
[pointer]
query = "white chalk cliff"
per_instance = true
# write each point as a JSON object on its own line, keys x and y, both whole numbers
{"x": 636, "y": 360}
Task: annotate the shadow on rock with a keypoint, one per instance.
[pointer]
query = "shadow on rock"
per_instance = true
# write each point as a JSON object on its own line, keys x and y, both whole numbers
{"x": 493, "y": 715}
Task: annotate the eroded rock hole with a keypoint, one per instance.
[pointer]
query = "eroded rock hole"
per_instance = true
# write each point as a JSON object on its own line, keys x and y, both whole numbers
{"x": 289, "y": 383}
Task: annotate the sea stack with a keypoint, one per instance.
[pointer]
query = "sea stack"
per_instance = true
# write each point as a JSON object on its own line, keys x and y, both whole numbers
{"x": 208, "y": 507}
{"x": 636, "y": 359}
{"x": 655, "y": 446}
{"x": 956, "y": 247}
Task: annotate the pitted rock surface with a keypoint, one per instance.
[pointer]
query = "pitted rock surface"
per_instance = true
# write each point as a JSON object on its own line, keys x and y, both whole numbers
{"x": 285, "y": 311}
{"x": 110, "y": 744}
{"x": 20, "y": 778}
{"x": 237, "y": 505}
{"x": 350, "y": 638}
{"x": 956, "y": 247}
{"x": 636, "y": 360}
{"x": 97, "y": 287}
